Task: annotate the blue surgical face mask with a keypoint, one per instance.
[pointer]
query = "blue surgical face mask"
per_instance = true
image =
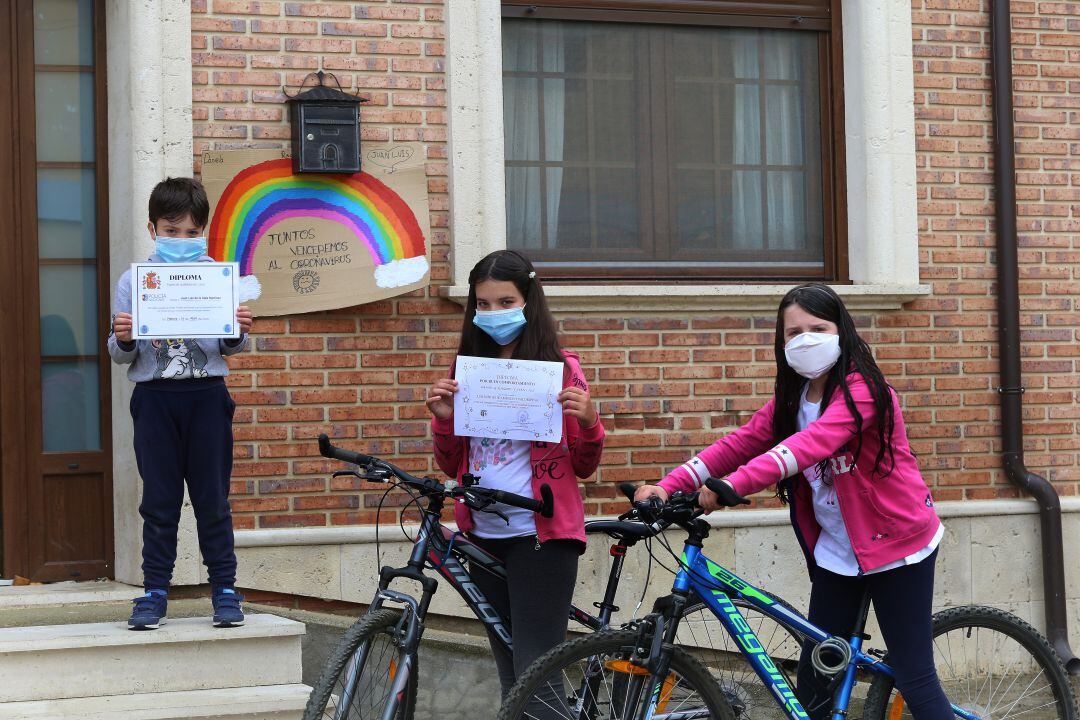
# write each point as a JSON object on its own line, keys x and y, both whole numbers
{"x": 504, "y": 326}
{"x": 179, "y": 250}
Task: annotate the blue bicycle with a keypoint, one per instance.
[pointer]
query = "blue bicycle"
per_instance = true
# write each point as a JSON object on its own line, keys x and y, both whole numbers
{"x": 992, "y": 664}
{"x": 373, "y": 674}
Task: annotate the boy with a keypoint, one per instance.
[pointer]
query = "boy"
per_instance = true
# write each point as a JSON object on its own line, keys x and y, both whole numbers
{"x": 182, "y": 414}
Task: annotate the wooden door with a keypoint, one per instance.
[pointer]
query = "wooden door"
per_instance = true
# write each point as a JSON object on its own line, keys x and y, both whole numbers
{"x": 55, "y": 434}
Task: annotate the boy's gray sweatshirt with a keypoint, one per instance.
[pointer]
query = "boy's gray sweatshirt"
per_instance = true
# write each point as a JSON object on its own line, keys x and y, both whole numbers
{"x": 175, "y": 359}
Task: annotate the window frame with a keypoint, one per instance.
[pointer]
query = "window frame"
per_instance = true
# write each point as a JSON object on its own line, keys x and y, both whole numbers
{"x": 819, "y": 16}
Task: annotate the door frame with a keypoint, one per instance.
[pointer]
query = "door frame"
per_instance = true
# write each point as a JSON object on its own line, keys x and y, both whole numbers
{"x": 23, "y": 465}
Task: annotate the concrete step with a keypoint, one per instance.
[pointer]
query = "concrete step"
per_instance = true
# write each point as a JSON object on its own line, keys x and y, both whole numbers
{"x": 272, "y": 702}
{"x": 66, "y": 593}
{"x": 102, "y": 659}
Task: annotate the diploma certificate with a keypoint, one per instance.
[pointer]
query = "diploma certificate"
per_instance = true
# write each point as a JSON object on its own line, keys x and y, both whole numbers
{"x": 513, "y": 399}
{"x": 184, "y": 300}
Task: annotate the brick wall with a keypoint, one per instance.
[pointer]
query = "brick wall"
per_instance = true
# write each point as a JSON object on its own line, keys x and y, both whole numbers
{"x": 954, "y": 366}
{"x": 667, "y": 383}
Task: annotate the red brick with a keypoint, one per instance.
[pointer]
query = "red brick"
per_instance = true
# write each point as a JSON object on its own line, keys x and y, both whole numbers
{"x": 292, "y": 520}
{"x": 247, "y": 7}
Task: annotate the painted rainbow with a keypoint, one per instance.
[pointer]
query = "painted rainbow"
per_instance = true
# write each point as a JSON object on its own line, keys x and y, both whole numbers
{"x": 265, "y": 194}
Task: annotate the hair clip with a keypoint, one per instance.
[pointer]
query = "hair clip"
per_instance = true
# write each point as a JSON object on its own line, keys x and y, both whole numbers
{"x": 532, "y": 274}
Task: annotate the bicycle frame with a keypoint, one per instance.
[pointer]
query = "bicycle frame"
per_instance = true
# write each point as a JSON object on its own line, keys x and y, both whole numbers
{"x": 716, "y": 585}
{"x": 445, "y": 551}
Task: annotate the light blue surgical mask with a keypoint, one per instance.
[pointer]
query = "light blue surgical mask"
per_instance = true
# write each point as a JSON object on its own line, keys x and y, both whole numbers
{"x": 179, "y": 250}
{"x": 504, "y": 326}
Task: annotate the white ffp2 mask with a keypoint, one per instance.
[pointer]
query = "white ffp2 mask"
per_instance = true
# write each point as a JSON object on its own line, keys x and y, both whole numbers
{"x": 812, "y": 354}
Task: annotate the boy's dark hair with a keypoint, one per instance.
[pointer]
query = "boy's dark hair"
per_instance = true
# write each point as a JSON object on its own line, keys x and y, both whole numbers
{"x": 173, "y": 198}
{"x": 539, "y": 340}
{"x": 821, "y": 301}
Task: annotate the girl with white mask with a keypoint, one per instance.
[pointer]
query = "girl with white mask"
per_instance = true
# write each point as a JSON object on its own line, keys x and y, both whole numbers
{"x": 832, "y": 441}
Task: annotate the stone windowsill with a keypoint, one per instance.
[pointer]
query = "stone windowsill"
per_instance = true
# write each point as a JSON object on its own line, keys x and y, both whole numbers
{"x": 666, "y": 298}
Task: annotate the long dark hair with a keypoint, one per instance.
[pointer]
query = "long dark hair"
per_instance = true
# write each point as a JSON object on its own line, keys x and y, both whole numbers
{"x": 821, "y": 301}
{"x": 539, "y": 340}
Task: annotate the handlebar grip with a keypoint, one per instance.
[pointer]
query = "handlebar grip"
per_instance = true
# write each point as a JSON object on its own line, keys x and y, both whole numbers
{"x": 543, "y": 506}
{"x": 326, "y": 449}
{"x": 726, "y": 494}
{"x": 628, "y": 490}
{"x": 547, "y": 501}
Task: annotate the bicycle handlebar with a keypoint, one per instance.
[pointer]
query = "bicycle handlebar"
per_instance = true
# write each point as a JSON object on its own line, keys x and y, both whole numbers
{"x": 680, "y": 507}
{"x": 725, "y": 493}
{"x": 472, "y": 495}
{"x": 335, "y": 453}
{"x": 544, "y": 506}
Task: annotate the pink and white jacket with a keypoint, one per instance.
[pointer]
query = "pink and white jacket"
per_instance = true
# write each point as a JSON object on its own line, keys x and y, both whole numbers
{"x": 887, "y": 517}
{"x": 576, "y": 456}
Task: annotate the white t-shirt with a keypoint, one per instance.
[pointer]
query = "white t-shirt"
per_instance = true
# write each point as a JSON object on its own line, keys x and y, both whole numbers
{"x": 503, "y": 465}
{"x": 833, "y": 550}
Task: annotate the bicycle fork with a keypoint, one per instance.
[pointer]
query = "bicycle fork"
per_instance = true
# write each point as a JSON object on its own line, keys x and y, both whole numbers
{"x": 406, "y": 639}
{"x": 650, "y": 691}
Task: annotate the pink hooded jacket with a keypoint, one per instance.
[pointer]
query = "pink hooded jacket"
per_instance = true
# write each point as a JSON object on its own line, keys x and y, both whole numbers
{"x": 559, "y": 466}
{"x": 887, "y": 517}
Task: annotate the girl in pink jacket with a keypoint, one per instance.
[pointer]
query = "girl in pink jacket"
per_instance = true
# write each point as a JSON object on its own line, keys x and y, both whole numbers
{"x": 832, "y": 439}
{"x": 507, "y": 317}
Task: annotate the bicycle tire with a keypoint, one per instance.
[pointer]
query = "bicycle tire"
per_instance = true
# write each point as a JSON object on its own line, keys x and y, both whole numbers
{"x": 749, "y": 698}
{"x": 370, "y": 628}
{"x": 685, "y": 671}
{"x": 1030, "y": 663}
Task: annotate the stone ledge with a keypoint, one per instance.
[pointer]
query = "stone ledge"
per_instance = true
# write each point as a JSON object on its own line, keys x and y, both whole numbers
{"x": 718, "y": 297}
{"x": 742, "y": 518}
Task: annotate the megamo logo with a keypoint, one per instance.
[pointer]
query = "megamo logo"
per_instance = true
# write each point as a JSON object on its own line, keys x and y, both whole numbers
{"x": 752, "y": 647}
{"x": 484, "y": 609}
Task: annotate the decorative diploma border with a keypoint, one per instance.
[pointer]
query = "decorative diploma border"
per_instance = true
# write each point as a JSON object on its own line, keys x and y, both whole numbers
{"x": 480, "y": 428}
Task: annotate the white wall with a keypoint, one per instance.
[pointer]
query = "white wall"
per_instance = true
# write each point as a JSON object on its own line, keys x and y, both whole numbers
{"x": 150, "y": 138}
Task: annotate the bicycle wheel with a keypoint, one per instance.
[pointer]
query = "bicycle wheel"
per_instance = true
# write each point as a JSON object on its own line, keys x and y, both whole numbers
{"x": 360, "y": 673}
{"x": 592, "y": 677}
{"x": 702, "y": 635}
{"x": 992, "y": 664}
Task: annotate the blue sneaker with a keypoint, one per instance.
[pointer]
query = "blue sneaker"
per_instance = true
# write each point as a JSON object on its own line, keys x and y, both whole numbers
{"x": 149, "y": 610}
{"x": 227, "y": 609}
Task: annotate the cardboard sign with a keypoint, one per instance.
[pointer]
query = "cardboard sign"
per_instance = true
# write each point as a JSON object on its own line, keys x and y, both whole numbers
{"x": 315, "y": 241}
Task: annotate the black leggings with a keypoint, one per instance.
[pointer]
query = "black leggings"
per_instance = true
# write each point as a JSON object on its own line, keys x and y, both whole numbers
{"x": 901, "y": 598}
{"x": 535, "y": 596}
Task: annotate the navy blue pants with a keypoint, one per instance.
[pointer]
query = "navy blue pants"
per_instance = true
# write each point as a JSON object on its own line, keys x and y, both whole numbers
{"x": 902, "y": 598}
{"x": 183, "y": 431}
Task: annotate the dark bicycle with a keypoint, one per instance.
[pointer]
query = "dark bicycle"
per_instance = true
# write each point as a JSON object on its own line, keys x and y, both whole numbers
{"x": 373, "y": 672}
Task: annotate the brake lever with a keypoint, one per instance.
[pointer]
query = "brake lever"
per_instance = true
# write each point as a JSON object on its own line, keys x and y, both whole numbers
{"x": 496, "y": 511}
{"x": 343, "y": 473}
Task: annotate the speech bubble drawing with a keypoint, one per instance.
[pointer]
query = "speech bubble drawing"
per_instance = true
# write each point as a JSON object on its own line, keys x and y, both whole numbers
{"x": 389, "y": 158}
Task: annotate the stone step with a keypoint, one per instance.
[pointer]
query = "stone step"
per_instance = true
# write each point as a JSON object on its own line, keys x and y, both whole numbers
{"x": 66, "y": 593}
{"x": 270, "y": 702}
{"x": 48, "y": 662}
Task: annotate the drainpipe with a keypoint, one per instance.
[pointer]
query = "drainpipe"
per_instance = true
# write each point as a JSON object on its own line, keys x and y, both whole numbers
{"x": 1012, "y": 389}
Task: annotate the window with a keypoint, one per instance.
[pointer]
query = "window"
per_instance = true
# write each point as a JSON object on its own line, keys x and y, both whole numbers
{"x": 645, "y": 144}
{"x": 72, "y": 250}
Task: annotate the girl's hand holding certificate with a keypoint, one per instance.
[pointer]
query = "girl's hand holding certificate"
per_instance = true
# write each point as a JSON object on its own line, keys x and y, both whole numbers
{"x": 441, "y": 398}
{"x": 577, "y": 404}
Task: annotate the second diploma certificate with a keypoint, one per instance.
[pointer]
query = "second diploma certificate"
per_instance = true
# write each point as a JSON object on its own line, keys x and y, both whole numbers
{"x": 513, "y": 399}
